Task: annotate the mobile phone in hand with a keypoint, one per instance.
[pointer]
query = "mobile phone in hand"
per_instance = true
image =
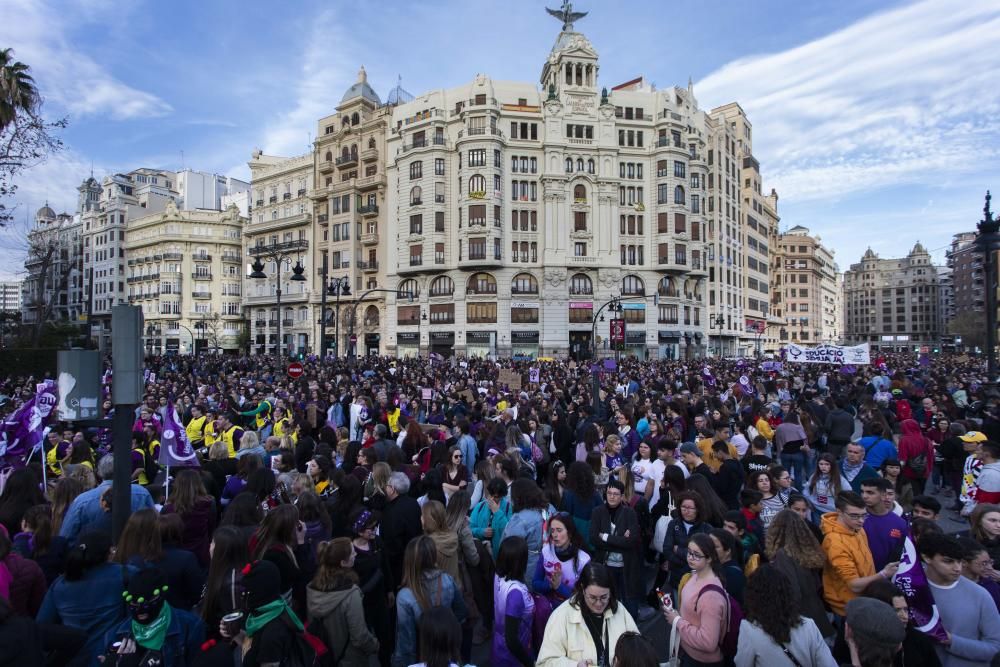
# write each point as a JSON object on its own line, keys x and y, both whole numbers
{"x": 665, "y": 599}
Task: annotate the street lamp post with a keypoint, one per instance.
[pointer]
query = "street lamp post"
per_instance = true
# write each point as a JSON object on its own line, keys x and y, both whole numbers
{"x": 278, "y": 253}
{"x": 334, "y": 287}
{"x": 613, "y": 305}
{"x": 357, "y": 302}
{"x": 988, "y": 241}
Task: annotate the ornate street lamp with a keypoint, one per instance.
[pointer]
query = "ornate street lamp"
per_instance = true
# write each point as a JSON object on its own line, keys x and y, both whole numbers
{"x": 988, "y": 240}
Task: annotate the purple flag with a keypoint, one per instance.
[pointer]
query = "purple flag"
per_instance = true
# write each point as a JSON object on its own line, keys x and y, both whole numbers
{"x": 848, "y": 369}
{"x": 912, "y": 581}
{"x": 175, "y": 448}
{"x": 746, "y": 386}
{"x": 707, "y": 377}
{"x": 22, "y": 432}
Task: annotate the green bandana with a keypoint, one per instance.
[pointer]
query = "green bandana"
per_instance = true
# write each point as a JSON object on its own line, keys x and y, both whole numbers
{"x": 153, "y": 635}
{"x": 264, "y": 615}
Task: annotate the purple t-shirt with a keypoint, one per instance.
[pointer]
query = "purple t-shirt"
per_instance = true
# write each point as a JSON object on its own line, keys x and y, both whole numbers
{"x": 510, "y": 598}
{"x": 886, "y": 534}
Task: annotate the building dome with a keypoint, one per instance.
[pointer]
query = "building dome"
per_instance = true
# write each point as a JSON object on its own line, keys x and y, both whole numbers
{"x": 45, "y": 213}
{"x": 361, "y": 89}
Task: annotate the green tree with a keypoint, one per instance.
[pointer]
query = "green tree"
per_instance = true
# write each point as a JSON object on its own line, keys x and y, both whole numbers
{"x": 26, "y": 138}
{"x": 971, "y": 326}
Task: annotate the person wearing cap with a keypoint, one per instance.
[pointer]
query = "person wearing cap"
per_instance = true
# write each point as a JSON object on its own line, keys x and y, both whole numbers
{"x": 272, "y": 631}
{"x": 873, "y": 632}
{"x": 154, "y": 629}
{"x": 971, "y": 469}
{"x": 968, "y": 613}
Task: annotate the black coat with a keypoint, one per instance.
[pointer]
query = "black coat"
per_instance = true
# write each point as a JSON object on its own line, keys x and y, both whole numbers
{"x": 675, "y": 547}
{"x": 728, "y": 482}
{"x": 400, "y": 524}
{"x": 630, "y": 547}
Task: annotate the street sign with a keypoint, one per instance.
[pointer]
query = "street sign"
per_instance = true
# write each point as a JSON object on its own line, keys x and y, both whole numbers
{"x": 617, "y": 332}
{"x": 295, "y": 370}
{"x": 79, "y": 384}
{"x": 354, "y": 338}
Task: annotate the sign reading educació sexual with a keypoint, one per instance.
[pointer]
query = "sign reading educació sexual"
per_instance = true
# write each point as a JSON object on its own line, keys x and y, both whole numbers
{"x": 828, "y": 354}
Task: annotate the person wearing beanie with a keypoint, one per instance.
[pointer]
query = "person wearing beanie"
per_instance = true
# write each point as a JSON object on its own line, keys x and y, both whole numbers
{"x": 968, "y": 613}
{"x": 691, "y": 457}
{"x": 271, "y": 632}
{"x": 154, "y": 632}
{"x": 873, "y": 632}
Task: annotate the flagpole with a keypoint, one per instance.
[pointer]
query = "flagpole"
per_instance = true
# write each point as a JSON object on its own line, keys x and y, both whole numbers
{"x": 166, "y": 488}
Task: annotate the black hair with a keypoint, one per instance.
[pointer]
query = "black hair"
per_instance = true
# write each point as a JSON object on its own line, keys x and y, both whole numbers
{"x": 750, "y": 497}
{"x": 728, "y": 543}
{"x": 512, "y": 559}
{"x": 928, "y": 502}
{"x": 847, "y": 499}
{"x": 705, "y": 543}
{"x": 796, "y": 497}
{"x": 771, "y": 604}
{"x": 880, "y": 483}
{"x": 970, "y": 548}
{"x": 594, "y": 574}
{"x": 882, "y": 589}
{"x": 91, "y": 551}
{"x": 736, "y": 517}
{"x": 496, "y": 487}
{"x": 933, "y": 544}
{"x": 634, "y": 650}
{"x": 920, "y": 525}
{"x": 615, "y": 484}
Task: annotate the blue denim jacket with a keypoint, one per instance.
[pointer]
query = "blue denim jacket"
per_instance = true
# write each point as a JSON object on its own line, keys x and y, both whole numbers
{"x": 86, "y": 510}
{"x": 184, "y": 637}
{"x": 443, "y": 593}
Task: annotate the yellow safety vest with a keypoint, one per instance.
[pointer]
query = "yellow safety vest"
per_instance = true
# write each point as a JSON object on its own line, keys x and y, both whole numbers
{"x": 393, "y": 419}
{"x": 210, "y": 435}
{"x": 142, "y": 479}
{"x": 227, "y": 437}
{"x": 196, "y": 430}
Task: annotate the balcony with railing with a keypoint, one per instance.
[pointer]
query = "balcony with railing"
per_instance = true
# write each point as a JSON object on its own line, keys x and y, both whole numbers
{"x": 287, "y": 323}
{"x": 432, "y": 142}
{"x": 347, "y": 161}
{"x": 368, "y": 209}
{"x": 286, "y": 196}
{"x": 277, "y": 248}
{"x": 368, "y": 266}
{"x": 322, "y": 218}
{"x": 231, "y": 257}
{"x": 260, "y": 323}
{"x": 201, "y": 276}
{"x": 273, "y": 199}
{"x": 173, "y": 256}
{"x": 371, "y": 182}
{"x": 369, "y": 155}
{"x": 201, "y": 257}
{"x": 201, "y": 295}
{"x": 369, "y": 239}
{"x": 326, "y": 166}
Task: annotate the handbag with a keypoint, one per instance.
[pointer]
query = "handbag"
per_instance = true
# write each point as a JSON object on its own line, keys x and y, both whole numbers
{"x": 660, "y": 534}
{"x": 673, "y": 655}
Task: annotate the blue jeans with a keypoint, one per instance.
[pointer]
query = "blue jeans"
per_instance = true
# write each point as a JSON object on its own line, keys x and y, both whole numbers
{"x": 795, "y": 464}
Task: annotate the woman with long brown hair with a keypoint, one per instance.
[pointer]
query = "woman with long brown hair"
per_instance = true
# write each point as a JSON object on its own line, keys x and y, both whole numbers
{"x": 190, "y": 500}
{"x": 792, "y": 548}
{"x": 141, "y": 545}
{"x": 64, "y": 493}
{"x": 334, "y": 599}
{"x": 281, "y": 540}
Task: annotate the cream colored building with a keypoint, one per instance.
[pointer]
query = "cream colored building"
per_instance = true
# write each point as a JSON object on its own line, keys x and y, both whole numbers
{"x": 517, "y": 214}
{"x": 349, "y": 202}
{"x": 185, "y": 269}
{"x": 806, "y": 288}
{"x": 281, "y": 234}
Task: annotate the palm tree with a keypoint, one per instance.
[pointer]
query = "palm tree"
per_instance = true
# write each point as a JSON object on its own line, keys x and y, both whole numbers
{"x": 18, "y": 93}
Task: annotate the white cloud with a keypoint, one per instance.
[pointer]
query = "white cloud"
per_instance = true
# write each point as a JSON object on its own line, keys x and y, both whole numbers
{"x": 907, "y": 96}
{"x": 74, "y": 82}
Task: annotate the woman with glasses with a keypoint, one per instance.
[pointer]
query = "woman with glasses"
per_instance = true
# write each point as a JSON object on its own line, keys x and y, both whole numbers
{"x": 454, "y": 474}
{"x": 615, "y": 533}
{"x": 586, "y": 629}
{"x": 702, "y": 616}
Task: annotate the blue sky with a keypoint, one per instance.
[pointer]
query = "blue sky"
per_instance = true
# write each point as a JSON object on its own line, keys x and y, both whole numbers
{"x": 877, "y": 122}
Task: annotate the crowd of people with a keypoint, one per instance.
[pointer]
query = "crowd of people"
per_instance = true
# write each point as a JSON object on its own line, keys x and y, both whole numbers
{"x": 427, "y": 512}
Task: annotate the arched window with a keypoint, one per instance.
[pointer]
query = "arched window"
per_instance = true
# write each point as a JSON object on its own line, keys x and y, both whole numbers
{"x": 679, "y": 195}
{"x": 481, "y": 283}
{"x": 346, "y": 122}
{"x": 524, "y": 283}
{"x": 580, "y": 284}
{"x": 415, "y": 196}
{"x": 329, "y": 156}
{"x": 590, "y": 166}
{"x": 371, "y": 316}
{"x": 442, "y": 286}
{"x": 668, "y": 287}
{"x": 371, "y": 144}
{"x": 477, "y": 183}
{"x": 569, "y": 165}
{"x": 355, "y": 118}
{"x": 579, "y": 192}
{"x": 354, "y": 151}
{"x": 408, "y": 288}
{"x": 579, "y": 164}
{"x": 345, "y": 153}
{"x": 632, "y": 285}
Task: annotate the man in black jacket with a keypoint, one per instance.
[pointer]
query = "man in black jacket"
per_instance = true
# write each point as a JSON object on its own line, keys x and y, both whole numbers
{"x": 839, "y": 428}
{"x": 400, "y": 523}
{"x": 728, "y": 480}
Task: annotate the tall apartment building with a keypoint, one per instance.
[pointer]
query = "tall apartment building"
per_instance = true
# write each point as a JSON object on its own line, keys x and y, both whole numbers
{"x": 892, "y": 303}
{"x": 806, "y": 289}
{"x": 52, "y": 290}
{"x": 199, "y": 189}
{"x": 743, "y": 226}
{"x": 968, "y": 279}
{"x": 185, "y": 269}
{"x": 352, "y": 217}
{"x": 10, "y": 296}
{"x": 281, "y": 234}
{"x": 519, "y": 214}
{"x": 119, "y": 199}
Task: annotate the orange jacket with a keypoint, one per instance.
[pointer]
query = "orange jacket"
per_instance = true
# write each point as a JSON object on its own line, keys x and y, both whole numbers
{"x": 847, "y": 557}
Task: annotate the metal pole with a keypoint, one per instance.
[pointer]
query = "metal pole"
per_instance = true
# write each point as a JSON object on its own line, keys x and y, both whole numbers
{"x": 322, "y": 317}
{"x": 278, "y": 343}
{"x": 989, "y": 267}
{"x": 121, "y": 504}
{"x": 336, "y": 342}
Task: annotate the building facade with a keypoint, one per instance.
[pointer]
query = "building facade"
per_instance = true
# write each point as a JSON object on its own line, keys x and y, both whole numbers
{"x": 518, "y": 215}
{"x": 351, "y": 215}
{"x": 806, "y": 289}
{"x": 281, "y": 234}
{"x": 120, "y": 198}
{"x": 199, "y": 189}
{"x": 10, "y": 296}
{"x": 53, "y": 287}
{"x": 892, "y": 303}
{"x": 185, "y": 269}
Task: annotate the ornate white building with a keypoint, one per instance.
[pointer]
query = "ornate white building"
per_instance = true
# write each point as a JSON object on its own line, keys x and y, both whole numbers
{"x": 515, "y": 214}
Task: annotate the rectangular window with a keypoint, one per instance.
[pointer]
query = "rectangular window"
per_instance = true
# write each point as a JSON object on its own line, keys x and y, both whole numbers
{"x": 442, "y": 313}
{"x": 668, "y": 314}
{"x": 416, "y": 170}
{"x": 481, "y": 313}
{"x": 581, "y": 315}
{"x": 439, "y": 221}
{"x": 416, "y": 224}
{"x": 477, "y": 214}
{"x": 680, "y": 223}
{"x": 416, "y": 255}
{"x": 579, "y": 249}
{"x": 477, "y": 248}
{"x": 439, "y": 166}
{"x": 524, "y": 316}
{"x": 579, "y": 221}
{"x": 680, "y": 254}
{"x": 477, "y": 157}
{"x": 679, "y": 168}
{"x": 662, "y": 223}
{"x": 635, "y": 316}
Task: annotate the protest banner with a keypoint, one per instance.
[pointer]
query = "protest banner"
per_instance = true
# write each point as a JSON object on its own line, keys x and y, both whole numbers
{"x": 828, "y": 354}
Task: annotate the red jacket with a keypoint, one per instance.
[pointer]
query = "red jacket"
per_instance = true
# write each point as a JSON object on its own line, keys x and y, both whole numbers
{"x": 913, "y": 443}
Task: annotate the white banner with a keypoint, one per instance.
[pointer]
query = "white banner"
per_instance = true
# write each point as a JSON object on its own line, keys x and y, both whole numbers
{"x": 829, "y": 354}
